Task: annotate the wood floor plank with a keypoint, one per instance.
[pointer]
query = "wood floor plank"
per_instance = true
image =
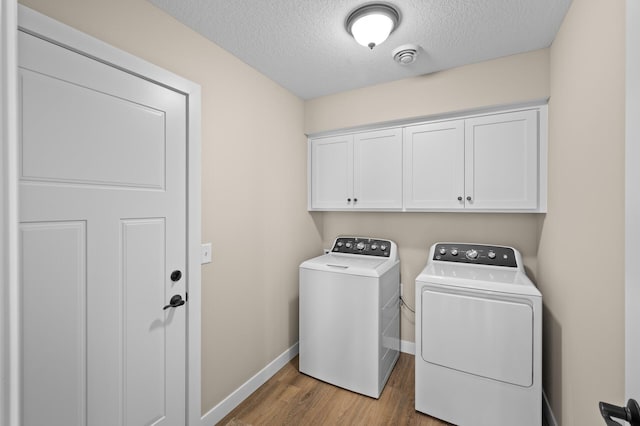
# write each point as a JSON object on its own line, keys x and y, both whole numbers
{"x": 292, "y": 398}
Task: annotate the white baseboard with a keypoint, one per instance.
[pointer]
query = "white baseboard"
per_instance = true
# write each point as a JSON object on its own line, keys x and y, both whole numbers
{"x": 547, "y": 414}
{"x": 408, "y": 347}
{"x": 218, "y": 412}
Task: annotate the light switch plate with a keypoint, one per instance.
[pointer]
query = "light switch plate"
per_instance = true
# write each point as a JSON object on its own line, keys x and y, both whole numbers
{"x": 205, "y": 253}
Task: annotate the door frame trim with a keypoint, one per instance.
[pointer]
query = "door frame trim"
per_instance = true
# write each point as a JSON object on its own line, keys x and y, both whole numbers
{"x": 9, "y": 290}
{"x": 632, "y": 202}
{"x": 51, "y": 30}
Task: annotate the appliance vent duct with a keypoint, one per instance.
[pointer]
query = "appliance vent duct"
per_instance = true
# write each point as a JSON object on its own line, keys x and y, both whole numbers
{"x": 405, "y": 54}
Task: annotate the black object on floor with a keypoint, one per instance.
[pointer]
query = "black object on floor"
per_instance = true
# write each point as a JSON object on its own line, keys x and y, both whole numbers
{"x": 630, "y": 413}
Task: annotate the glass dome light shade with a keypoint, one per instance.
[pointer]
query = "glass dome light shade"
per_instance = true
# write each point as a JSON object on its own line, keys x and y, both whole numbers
{"x": 371, "y": 30}
{"x": 370, "y": 25}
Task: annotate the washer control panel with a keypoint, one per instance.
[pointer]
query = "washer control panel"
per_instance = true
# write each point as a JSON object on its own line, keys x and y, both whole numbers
{"x": 475, "y": 253}
{"x": 364, "y": 246}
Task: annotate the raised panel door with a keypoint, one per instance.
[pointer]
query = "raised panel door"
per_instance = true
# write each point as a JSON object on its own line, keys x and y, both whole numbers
{"x": 103, "y": 224}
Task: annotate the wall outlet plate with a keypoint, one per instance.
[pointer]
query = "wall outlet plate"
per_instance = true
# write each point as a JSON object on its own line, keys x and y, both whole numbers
{"x": 205, "y": 253}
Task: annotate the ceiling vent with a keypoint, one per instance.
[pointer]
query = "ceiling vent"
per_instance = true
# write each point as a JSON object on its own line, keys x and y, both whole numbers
{"x": 405, "y": 54}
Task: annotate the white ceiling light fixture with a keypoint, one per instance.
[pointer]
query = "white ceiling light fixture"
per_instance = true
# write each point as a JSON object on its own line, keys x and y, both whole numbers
{"x": 372, "y": 23}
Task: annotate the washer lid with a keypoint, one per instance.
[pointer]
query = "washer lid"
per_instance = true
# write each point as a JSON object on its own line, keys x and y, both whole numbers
{"x": 490, "y": 278}
{"x": 367, "y": 266}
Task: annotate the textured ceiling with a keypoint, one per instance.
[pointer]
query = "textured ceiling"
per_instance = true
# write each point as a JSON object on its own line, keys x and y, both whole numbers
{"x": 303, "y": 45}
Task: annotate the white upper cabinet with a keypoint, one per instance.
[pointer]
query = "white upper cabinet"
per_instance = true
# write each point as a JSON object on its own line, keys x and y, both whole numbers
{"x": 359, "y": 171}
{"x": 332, "y": 172}
{"x": 434, "y": 166}
{"x": 377, "y": 167}
{"x": 501, "y": 161}
{"x": 494, "y": 162}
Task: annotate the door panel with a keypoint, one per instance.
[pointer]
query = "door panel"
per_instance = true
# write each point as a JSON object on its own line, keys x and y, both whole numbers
{"x": 144, "y": 355}
{"x": 501, "y": 157}
{"x": 332, "y": 179}
{"x": 378, "y": 169}
{"x": 103, "y": 157}
{"x": 53, "y": 271}
{"x": 434, "y": 165}
{"x": 478, "y": 335}
{"x": 122, "y": 145}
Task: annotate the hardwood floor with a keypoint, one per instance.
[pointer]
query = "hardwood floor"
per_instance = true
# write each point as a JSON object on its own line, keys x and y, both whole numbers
{"x": 291, "y": 398}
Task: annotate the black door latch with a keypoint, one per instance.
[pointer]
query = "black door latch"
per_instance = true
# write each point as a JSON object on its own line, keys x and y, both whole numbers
{"x": 175, "y": 301}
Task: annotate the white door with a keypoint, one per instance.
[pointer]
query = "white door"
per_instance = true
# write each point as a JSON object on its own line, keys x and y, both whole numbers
{"x": 377, "y": 169}
{"x": 332, "y": 172}
{"x": 498, "y": 332}
{"x": 102, "y": 228}
{"x": 501, "y": 161}
{"x": 434, "y": 166}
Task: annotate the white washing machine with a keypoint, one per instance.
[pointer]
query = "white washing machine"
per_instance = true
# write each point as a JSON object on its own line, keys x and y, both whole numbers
{"x": 350, "y": 314}
{"x": 478, "y": 337}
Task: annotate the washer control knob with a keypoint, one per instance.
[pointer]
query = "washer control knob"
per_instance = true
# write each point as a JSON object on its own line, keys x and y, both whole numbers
{"x": 360, "y": 246}
{"x": 443, "y": 251}
{"x": 348, "y": 244}
{"x": 454, "y": 252}
{"x": 383, "y": 247}
{"x": 374, "y": 247}
{"x": 472, "y": 254}
{"x": 491, "y": 255}
{"x": 340, "y": 244}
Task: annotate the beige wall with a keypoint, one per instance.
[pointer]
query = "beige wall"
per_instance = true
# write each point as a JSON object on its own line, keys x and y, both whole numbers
{"x": 513, "y": 79}
{"x": 253, "y": 192}
{"x": 517, "y": 78}
{"x": 580, "y": 259}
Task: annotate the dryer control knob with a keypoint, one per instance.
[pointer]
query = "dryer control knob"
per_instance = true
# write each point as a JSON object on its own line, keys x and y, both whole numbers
{"x": 340, "y": 244}
{"x": 443, "y": 251}
{"x": 491, "y": 255}
{"x": 360, "y": 246}
{"x": 374, "y": 247}
{"x": 472, "y": 254}
{"x": 454, "y": 252}
{"x": 348, "y": 245}
{"x": 383, "y": 247}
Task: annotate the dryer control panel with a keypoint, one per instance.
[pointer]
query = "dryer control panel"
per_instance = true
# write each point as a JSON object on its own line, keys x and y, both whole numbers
{"x": 478, "y": 254}
{"x": 363, "y": 246}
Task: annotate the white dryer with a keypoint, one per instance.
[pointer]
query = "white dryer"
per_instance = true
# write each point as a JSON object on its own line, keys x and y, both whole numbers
{"x": 350, "y": 314}
{"x": 478, "y": 337}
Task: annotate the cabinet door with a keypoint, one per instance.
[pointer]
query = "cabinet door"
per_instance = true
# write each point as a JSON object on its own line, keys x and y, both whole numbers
{"x": 501, "y": 161}
{"x": 434, "y": 166}
{"x": 332, "y": 172}
{"x": 378, "y": 169}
